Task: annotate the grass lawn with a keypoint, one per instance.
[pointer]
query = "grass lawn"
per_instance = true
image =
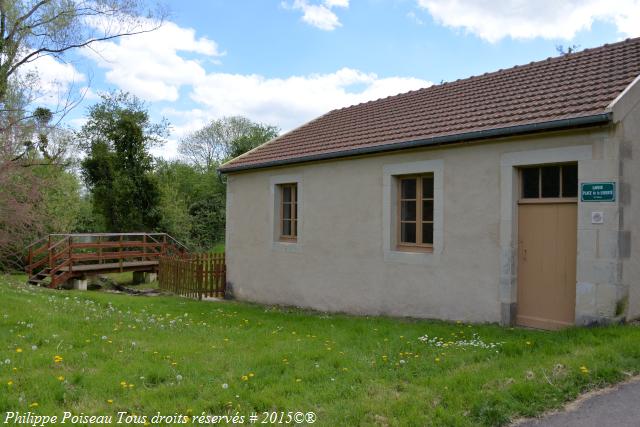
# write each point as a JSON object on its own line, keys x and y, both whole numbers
{"x": 100, "y": 353}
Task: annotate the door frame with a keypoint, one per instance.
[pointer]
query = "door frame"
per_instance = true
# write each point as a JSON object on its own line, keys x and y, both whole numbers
{"x": 509, "y": 195}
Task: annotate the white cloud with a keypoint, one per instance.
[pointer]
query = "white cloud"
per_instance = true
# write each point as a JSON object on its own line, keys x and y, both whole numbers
{"x": 320, "y": 15}
{"x": 291, "y": 101}
{"x": 336, "y": 3}
{"x": 154, "y": 67}
{"x": 149, "y": 65}
{"x": 55, "y": 79}
{"x": 493, "y": 20}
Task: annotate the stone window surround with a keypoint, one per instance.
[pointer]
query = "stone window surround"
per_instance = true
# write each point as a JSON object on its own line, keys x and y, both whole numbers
{"x": 509, "y": 194}
{"x": 389, "y": 212}
{"x": 276, "y": 243}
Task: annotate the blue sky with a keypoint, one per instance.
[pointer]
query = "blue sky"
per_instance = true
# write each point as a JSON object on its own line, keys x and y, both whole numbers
{"x": 286, "y": 62}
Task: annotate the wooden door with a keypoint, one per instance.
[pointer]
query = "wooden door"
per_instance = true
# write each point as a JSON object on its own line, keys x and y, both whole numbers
{"x": 547, "y": 240}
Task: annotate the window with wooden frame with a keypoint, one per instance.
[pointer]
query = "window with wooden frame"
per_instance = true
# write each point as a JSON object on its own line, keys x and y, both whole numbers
{"x": 415, "y": 212}
{"x": 288, "y": 211}
{"x": 543, "y": 184}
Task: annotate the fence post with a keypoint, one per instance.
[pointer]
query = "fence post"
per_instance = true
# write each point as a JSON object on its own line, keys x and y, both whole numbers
{"x": 223, "y": 279}
{"x": 70, "y": 254}
{"x": 200, "y": 279}
{"x": 120, "y": 253}
{"x": 50, "y": 254}
{"x": 30, "y": 261}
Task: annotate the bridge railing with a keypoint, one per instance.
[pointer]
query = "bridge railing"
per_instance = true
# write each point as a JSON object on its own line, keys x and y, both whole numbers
{"x": 57, "y": 254}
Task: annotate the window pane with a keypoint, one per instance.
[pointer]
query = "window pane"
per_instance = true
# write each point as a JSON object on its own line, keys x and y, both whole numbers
{"x": 530, "y": 183}
{"x": 408, "y": 189}
{"x": 286, "y": 211}
{"x": 408, "y": 232}
{"x": 286, "y": 193}
{"x": 427, "y": 233}
{"x": 295, "y": 228}
{"x": 550, "y": 181}
{"x": 570, "y": 181}
{"x": 408, "y": 211}
{"x": 286, "y": 228}
{"x": 427, "y": 210}
{"x": 427, "y": 187}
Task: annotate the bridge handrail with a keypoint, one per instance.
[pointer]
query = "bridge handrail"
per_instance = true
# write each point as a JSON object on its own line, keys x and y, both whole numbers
{"x": 59, "y": 247}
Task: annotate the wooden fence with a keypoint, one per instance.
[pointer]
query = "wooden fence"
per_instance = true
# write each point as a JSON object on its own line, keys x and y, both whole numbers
{"x": 196, "y": 276}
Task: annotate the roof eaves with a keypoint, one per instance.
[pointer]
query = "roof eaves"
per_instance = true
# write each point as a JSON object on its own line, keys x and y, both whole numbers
{"x": 573, "y": 122}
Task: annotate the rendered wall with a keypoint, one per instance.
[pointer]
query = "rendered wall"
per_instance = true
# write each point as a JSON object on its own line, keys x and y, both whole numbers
{"x": 627, "y": 113}
{"x": 342, "y": 262}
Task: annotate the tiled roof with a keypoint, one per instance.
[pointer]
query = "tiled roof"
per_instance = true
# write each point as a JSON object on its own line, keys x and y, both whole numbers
{"x": 574, "y": 86}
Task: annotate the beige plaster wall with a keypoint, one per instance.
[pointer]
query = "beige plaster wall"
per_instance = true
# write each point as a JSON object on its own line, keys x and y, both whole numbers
{"x": 627, "y": 114}
{"x": 339, "y": 263}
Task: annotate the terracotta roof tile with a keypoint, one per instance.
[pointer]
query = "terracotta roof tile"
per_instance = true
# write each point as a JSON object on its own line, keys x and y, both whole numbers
{"x": 577, "y": 85}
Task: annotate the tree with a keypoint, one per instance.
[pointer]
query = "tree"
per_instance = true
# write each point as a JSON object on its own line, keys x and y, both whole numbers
{"x": 563, "y": 51}
{"x": 219, "y": 139}
{"x": 118, "y": 167}
{"x": 192, "y": 203}
{"x": 257, "y": 135}
{"x": 37, "y": 190}
{"x": 31, "y": 29}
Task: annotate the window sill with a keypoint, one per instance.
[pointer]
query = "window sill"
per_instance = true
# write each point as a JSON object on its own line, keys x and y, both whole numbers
{"x": 548, "y": 200}
{"x": 415, "y": 249}
{"x": 286, "y": 245}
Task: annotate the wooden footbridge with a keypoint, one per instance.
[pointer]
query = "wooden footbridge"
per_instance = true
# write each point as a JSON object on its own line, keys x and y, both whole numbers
{"x": 57, "y": 258}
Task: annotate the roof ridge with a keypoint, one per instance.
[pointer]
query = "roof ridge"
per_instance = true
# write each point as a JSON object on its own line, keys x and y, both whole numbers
{"x": 549, "y": 59}
{"x": 562, "y": 88}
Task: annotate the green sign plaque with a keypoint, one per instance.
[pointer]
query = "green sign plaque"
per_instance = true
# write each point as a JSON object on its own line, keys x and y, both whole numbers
{"x": 598, "y": 192}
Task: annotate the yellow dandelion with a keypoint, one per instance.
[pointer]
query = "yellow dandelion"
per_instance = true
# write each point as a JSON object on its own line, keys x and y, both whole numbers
{"x": 251, "y": 374}
{"x": 18, "y": 350}
{"x": 57, "y": 359}
{"x": 9, "y": 382}
{"x": 109, "y": 401}
{"x": 437, "y": 359}
{"x": 60, "y": 378}
{"x": 123, "y": 383}
{"x": 131, "y": 385}
{"x": 34, "y": 405}
{"x": 244, "y": 378}
{"x": 298, "y": 380}
{"x": 528, "y": 342}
